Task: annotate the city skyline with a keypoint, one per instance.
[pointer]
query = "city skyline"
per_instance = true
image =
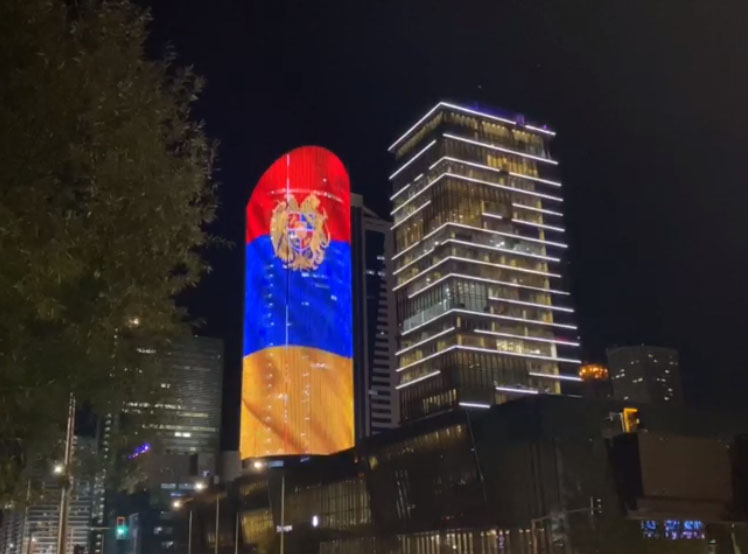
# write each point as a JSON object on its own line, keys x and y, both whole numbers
{"x": 648, "y": 212}
{"x": 416, "y": 277}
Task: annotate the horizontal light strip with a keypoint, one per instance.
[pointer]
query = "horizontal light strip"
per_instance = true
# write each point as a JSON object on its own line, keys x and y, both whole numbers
{"x": 536, "y": 179}
{"x": 425, "y": 359}
{"x": 518, "y": 391}
{"x": 505, "y": 187}
{"x": 527, "y": 338}
{"x": 398, "y": 193}
{"x": 484, "y": 280}
{"x": 479, "y": 262}
{"x": 414, "y": 158}
{"x": 533, "y": 304}
{"x": 557, "y": 377}
{"x": 491, "y": 232}
{"x": 479, "y": 114}
{"x": 469, "y": 111}
{"x": 539, "y": 225}
{"x": 495, "y": 170}
{"x": 500, "y": 148}
{"x": 408, "y": 249}
{"x": 474, "y": 405}
{"x": 490, "y": 316}
{"x": 478, "y": 181}
{"x": 407, "y": 217}
{"x": 485, "y": 351}
{"x": 421, "y": 343}
{"x": 418, "y": 380}
{"x": 413, "y": 261}
{"x": 539, "y": 210}
{"x": 453, "y": 107}
{"x": 495, "y": 216}
{"x": 540, "y": 130}
{"x": 525, "y": 320}
{"x": 465, "y": 162}
{"x": 506, "y": 250}
{"x": 415, "y": 126}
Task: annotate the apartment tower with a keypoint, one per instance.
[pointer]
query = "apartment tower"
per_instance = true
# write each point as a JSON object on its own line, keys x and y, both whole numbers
{"x": 483, "y": 315}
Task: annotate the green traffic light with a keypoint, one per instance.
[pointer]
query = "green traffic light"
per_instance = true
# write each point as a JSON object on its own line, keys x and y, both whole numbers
{"x": 121, "y": 531}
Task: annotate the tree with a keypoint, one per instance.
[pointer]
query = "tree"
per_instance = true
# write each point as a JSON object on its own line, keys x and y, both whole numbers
{"x": 105, "y": 190}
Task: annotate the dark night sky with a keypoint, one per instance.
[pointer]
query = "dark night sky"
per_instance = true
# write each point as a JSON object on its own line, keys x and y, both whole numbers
{"x": 648, "y": 98}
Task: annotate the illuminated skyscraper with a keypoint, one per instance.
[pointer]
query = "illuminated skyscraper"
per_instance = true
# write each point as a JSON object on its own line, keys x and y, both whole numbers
{"x": 647, "y": 374}
{"x": 297, "y": 388}
{"x": 482, "y": 312}
{"x": 373, "y": 321}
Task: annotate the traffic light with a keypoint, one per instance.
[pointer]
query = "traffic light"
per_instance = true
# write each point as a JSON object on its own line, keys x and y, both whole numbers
{"x": 596, "y": 505}
{"x": 121, "y": 529}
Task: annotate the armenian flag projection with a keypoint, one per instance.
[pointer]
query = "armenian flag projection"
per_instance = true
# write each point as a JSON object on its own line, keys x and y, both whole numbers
{"x": 297, "y": 390}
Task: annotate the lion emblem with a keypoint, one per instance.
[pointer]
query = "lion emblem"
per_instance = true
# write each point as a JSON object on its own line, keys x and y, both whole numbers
{"x": 299, "y": 233}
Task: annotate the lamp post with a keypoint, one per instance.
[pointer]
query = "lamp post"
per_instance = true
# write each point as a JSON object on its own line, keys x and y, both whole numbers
{"x": 65, "y": 470}
{"x": 261, "y": 465}
{"x": 236, "y": 531}
{"x": 179, "y": 504}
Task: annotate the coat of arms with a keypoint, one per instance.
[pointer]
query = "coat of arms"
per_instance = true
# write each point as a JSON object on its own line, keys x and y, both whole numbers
{"x": 299, "y": 233}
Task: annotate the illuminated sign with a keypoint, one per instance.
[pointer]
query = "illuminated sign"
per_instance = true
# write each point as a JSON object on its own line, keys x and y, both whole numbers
{"x": 630, "y": 420}
{"x": 297, "y": 387}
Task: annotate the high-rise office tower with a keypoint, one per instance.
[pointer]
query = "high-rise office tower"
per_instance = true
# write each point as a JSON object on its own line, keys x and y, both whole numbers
{"x": 182, "y": 420}
{"x": 189, "y": 400}
{"x": 185, "y": 417}
{"x": 373, "y": 321}
{"x": 482, "y": 312}
{"x": 647, "y": 374}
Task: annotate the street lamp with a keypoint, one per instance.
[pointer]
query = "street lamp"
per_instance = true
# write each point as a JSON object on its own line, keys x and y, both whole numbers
{"x": 262, "y": 465}
{"x": 58, "y": 469}
{"x": 200, "y": 486}
{"x": 178, "y": 505}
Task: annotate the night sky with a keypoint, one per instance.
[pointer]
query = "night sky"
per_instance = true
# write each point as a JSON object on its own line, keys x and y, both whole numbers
{"x": 648, "y": 99}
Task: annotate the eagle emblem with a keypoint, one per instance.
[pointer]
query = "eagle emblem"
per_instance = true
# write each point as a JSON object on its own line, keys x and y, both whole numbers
{"x": 299, "y": 233}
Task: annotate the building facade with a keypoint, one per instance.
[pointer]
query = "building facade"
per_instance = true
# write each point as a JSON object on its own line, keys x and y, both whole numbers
{"x": 482, "y": 312}
{"x": 183, "y": 418}
{"x": 647, "y": 374}
{"x": 545, "y": 474}
{"x": 373, "y": 322}
{"x": 34, "y": 529}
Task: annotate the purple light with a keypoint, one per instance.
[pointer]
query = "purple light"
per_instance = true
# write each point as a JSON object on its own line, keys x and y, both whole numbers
{"x": 142, "y": 449}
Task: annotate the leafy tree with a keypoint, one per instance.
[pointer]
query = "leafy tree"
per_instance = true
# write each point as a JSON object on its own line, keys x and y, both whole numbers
{"x": 105, "y": 191}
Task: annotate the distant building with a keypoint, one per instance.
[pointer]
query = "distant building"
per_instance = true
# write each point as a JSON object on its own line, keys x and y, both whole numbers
{"x": 478, "y": 231}
{"x": 185, "y": 420}
{"x": 34, "y": 530}
{"x": 646, "y": 374}
{"x": 373, "y": 322}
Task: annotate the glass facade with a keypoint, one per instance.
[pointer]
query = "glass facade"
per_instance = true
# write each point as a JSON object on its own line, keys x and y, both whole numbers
{"x": 482, "y": 311}
{"x": 373, "y": 322}
{"x": 188, "y": 411}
